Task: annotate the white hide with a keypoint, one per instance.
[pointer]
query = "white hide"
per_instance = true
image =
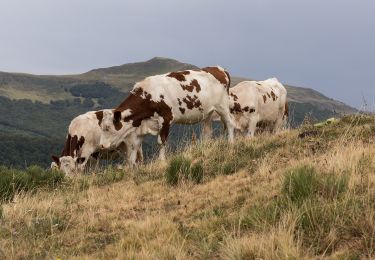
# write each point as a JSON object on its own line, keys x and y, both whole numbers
{"x": 251, "y": 94}
{"x": 213, "y": 96}
{"x": 85, "y": 125}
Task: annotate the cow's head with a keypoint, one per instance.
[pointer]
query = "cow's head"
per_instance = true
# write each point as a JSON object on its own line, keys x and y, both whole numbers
{"x": 66, "y": 164}
{"x": 114, "y": 129}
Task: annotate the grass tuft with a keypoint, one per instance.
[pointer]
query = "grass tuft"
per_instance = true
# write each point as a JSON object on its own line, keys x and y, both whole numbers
{"x": 13, "y": 181}
{"x": 300, "y": 184}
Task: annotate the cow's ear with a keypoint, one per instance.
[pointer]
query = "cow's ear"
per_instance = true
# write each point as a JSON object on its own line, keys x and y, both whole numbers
{"x": 56, "y": 159}
{"x": 117, "y": 116}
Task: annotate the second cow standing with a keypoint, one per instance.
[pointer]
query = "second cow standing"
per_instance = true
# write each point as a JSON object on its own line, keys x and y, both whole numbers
{"x": 259, "y": 103}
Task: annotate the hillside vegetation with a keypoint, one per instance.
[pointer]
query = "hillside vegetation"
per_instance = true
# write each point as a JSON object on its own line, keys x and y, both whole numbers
{"x": 305, "y": 193}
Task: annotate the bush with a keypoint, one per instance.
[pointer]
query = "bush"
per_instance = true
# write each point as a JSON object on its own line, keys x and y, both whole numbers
{"x": 178, "y": 167}
{"x": 181, "y": 168}
{"x": 197, "y": 173}
{"x": 300, "y": 184}
{"x": 109, "y": 176}
{"x": 13, "y": 180}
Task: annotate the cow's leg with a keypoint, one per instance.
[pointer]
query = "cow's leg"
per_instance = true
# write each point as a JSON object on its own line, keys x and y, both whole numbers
{"x": 207, "y": 127}
{"x": 83, "y": 159}
{"x": 228, "y": 120}
{"x": 133, "y": 147}
{"x": 280, "y": 121}
{"x": 278, "y": 125}
{"x": 165, "y": 123}
{"x": 162, "y": 149}
{"x": 251, "y": 128}
{"x": 139, "y": 154}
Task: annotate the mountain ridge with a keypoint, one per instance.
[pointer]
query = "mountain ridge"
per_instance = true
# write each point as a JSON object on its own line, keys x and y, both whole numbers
{"x": 47, "y": 88}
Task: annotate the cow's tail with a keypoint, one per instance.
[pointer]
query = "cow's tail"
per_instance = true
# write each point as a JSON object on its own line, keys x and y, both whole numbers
{"x": 286, "y": 110}
{"x": 228, "y": 85}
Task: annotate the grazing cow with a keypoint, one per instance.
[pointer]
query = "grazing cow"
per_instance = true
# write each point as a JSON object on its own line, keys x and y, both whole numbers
{"x": 82, "y": 144}
{"x": 183, "y": 97}
{"x": 259, "y": 103}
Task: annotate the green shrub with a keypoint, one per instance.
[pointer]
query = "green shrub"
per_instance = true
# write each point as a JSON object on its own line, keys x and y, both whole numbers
{"x": 109, "y": 176}
{"x": 178, "y": 167}
{"x": 13, "y": 180}
{"x": 332, "y": 186}
{"x": 300, "y": 184}
{"x": 197, "y": 173}
{"x": 264, "y": 215}
{"x": 181, "y": 168}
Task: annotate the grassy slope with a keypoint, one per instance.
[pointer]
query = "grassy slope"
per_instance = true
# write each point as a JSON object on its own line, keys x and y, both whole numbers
{"x": 271, "y": 197}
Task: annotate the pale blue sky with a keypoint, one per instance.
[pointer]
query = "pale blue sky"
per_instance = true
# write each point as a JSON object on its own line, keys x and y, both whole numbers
{"x": 327, "y": 45}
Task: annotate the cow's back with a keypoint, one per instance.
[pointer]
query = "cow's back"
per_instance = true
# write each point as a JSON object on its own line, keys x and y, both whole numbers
{"x": 86, "y": 125}
{"x": 190, "y": 94}
{"x": 271, "y": 99}
{"x": 85, "y": 130}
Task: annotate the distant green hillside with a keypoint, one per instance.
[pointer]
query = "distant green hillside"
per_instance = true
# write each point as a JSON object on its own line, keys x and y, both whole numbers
{"x": 37, "y": 109}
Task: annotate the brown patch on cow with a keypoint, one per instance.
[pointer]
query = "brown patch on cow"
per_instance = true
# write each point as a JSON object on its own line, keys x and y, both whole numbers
{"x": 273, "y": 95}
{"x": 72, "y": 145}
{"x": 193, "y": 85}
{"x": 259, "y": 84}
{"x": 118, "y": 125}
{"x": 162, "y": 96}
{"x": 286, "y": 111}
{"x": 99, "y": 116}
{"x": 147, "y": 95}
{"x": 95, "y": 155}
{"x": 220, "y": 75}
{"x": 142, "y": 107}
{"x": 264, "y": 98}
{"x": 56, "y": 159}
{"x": 192, "y": 102}
{"x": 268, "y": 95}
{"x": 235, "y": 98}
{"x": 179, "y": 75}
{"x": 117, "y": 120}
{"x": 236, "y": 108}
{"x": 182, "y": 110}
{"x": 179, "y": 101}
{"x": 228, "y": 75}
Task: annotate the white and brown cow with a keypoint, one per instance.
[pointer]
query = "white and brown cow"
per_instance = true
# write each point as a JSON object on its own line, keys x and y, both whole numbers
{"x": 183, "y": 97}
{"x": 259, "y": 103}
{"x": 82, "y": 144}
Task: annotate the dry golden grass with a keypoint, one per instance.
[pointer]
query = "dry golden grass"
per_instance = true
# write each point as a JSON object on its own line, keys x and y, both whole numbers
{"x": 240, "y": 210}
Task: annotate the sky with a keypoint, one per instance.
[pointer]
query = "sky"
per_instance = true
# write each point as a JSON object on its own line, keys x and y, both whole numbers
{"x": 327, "y": 45}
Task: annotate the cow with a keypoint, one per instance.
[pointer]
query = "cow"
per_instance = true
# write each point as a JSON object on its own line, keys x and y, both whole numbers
{"x": 82, "y": 144}
{"x": 182, "y": 97}
{"x": 258, "y": 103}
